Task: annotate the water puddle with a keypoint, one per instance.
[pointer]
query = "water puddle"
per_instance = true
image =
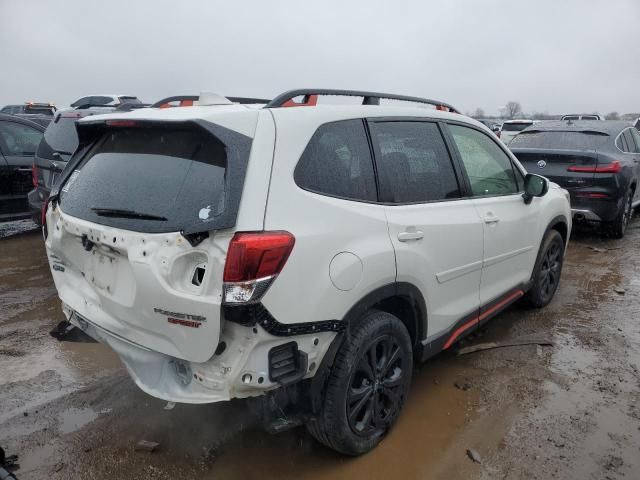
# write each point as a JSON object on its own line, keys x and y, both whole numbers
{"x": 74, "y": 419}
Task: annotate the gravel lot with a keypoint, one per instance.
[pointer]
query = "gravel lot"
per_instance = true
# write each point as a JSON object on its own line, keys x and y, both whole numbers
{"x": 570, "y": 411}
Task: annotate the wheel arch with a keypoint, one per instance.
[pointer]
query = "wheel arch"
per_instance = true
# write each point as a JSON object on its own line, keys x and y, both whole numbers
{"x": 560, "y": 224}
{"x": 401, "y": 299}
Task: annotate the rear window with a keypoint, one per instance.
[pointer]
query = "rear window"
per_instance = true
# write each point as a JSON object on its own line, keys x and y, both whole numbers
{"x": 130, "y": 100}
{"x": 564, "y": 140}
{"x": 515, "y": 127}
{"x": 151, "y": 179}
{"x": 60, "y": 136}
{"x": 39, "y": 109}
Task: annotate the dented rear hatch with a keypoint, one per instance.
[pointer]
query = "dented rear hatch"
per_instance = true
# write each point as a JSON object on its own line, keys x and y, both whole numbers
{"x": 138, "y": 229}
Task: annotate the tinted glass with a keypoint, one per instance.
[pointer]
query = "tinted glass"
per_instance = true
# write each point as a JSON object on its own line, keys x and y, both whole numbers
{"x": 39, "y": 109}
{"x": 589, "y": 117}
{"x": 176, "y": 175}
{"x": 563, "y": 140}
{"x": 81, "y": 101}
{"x": 337, "y": 162}
{"x": 571, "y": 117}
{"x": 60, "y": 136}
{"x": 101, "y": 100}
{"x": 18, "y": 139}
{"x": 129, "y": 100}
{"x": 631, "y": 144}
{"x": 636, "y": 137}
{"x": 488, "y": 167}
{"x": 514, "y": 127}
{"x": 414, "y": 164}
{"x": 621, "y": 143}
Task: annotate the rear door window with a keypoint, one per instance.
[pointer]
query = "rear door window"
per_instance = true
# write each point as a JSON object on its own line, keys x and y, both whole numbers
{"x": 414, "y": 165}
{"x": 337, "y": 162}
{"x": 18, "y": 139}
{"x": 621, "y": 143}
{"x": 488, "y": 167}
{"x": 151, "y": 179}
{"x": 636, "y": 136}
{"x": 631, "y": 144}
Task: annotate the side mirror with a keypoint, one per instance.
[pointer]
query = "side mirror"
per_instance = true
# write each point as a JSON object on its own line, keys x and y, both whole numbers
{"x": 534, "y": 186}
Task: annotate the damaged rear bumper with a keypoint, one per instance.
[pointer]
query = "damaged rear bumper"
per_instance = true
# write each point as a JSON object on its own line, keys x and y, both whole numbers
{"x": 241, "y": 367}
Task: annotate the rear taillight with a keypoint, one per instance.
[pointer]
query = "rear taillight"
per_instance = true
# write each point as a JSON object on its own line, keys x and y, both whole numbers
{"x": 498, "y": 133}
{"x": 254, "y": 259}
{"x": 613, "y": 167}
{"x": 34, "y": 175}
{"x": 121, "y": 123}
{"x": 591, "y": 195}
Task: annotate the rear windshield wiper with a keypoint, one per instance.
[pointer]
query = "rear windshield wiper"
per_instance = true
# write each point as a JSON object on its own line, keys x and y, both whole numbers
{"x": 120, "y": 213}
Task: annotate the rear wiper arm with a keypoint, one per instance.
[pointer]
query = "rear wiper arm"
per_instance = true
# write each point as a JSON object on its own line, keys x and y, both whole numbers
{"x": 120, "y": 213}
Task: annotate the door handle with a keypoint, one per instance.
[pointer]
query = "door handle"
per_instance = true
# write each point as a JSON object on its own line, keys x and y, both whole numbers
{"x": 408, "y": 236}
{"x": 491, "y": 219}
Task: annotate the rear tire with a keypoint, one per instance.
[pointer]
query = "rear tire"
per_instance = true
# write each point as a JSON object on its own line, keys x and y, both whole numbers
{"x": 367, "y": 386}
{"x": 618, "y": 227}
{"x": 546, "y": 276}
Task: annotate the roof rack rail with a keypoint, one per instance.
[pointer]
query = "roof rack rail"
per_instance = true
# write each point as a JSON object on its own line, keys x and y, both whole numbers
{"x": 188, "y": 100}
{"x": 310, "y": 98}
{"x": 248, "y": 100}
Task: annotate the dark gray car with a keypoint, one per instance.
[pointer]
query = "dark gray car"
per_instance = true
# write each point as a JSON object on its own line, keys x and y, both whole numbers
{"x": 58, "y": 144}
{"x": 597, "y": 161}
{"x": 19, "y": 139}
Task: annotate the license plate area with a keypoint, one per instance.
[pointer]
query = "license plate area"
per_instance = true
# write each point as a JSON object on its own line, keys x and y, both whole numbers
{"x": 102, "y": 273}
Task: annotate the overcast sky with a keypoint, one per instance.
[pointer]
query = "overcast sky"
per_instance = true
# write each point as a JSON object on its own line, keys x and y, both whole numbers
{"x": 553, "y": 56}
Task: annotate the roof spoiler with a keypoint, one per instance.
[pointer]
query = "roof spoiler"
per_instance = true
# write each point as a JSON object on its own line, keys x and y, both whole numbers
{"x": 310, "y": 98}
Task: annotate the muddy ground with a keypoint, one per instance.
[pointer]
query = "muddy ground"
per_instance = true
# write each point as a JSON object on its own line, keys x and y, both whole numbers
{"x": 569, "y": 411}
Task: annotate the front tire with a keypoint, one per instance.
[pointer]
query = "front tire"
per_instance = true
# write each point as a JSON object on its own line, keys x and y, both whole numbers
{"x": 367, "y": 386}
{"x": 546, "y": 276}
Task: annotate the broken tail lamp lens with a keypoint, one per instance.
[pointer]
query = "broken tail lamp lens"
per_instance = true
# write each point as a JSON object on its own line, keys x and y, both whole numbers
{"x": 254, "y": 259}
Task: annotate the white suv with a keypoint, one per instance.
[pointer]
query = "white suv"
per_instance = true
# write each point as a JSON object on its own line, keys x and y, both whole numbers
{"x": 312, "y": 253}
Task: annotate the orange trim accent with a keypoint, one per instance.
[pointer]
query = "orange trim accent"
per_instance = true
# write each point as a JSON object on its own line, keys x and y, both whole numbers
{"x": 311, "y": 101}
{"x": 511, "y": 297}
{"x": 480, "y": 317}
{"x": 455, "y": 334}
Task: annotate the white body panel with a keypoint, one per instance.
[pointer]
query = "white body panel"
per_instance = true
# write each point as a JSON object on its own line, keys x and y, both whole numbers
{"x": 446, "y": 263}
{"x": 324, "y": 227}
{"x": 343, "y": 251}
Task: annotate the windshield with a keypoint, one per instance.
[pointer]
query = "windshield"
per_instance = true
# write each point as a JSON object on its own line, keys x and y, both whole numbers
{"x": 515, "y": 127}
{"x": 151, "y": 179}
{"x": 564, "y": 140}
